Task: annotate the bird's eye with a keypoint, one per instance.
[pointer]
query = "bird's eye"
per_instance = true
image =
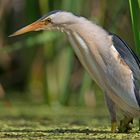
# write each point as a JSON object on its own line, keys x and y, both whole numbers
{"x": 48, "y": 20}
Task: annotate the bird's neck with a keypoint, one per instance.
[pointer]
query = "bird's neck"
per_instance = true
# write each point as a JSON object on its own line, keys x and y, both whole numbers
{"x": 87, "y": 30}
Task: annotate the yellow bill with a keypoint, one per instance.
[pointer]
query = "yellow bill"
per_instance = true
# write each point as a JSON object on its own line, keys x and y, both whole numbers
{"x": 32, "y": 27}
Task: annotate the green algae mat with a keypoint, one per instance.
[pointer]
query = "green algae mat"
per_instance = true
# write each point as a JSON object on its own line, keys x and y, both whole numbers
{"x": 41, "y": 122}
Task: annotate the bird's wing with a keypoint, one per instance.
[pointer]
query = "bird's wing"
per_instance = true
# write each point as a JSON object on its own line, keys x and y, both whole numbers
{"x": 125, "y": 77}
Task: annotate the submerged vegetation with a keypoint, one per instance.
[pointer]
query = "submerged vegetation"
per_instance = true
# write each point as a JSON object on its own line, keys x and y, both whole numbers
{"x": 41, "y": 122}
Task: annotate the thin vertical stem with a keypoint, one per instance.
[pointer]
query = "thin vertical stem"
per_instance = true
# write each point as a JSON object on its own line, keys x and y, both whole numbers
{"x": 85, "y": 86}
{"x": 134, "y": 11}
{"x": 64, "y": 97}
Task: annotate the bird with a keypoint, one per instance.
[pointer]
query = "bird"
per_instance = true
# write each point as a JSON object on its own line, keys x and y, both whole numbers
{"x": 108, "y": 59}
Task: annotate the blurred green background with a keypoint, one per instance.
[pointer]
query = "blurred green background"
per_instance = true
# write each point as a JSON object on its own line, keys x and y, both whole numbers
{"x": 41, "y": 67}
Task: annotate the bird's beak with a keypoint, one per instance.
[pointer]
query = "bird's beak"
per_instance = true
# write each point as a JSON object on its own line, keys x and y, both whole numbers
{"x": 38, "y": 25}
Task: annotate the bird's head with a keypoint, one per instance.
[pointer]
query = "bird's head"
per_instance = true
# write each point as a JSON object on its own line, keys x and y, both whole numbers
{"x": 55, "y": 19}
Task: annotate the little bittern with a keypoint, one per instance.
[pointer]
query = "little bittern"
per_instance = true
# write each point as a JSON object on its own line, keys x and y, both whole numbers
{"x": 107, "y": 59}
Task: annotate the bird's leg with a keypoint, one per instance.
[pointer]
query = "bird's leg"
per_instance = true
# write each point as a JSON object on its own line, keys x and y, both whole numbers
{"x": 112, "y": 111}
{"x": 125, "y": 126}
{"x": 139, "y": 124}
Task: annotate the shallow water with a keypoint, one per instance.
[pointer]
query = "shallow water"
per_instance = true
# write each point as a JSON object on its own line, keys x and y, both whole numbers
{"x": 41, "y": 122}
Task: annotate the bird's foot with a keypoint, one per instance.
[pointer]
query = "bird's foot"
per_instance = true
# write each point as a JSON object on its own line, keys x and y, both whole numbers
{"x": 113, "y": 127}
{"x": 125, "y": 125}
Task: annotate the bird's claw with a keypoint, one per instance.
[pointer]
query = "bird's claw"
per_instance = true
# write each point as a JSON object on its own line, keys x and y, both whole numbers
{"x": 125, "y": 125}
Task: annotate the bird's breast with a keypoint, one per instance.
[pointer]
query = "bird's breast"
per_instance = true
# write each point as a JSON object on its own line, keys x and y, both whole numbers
{"x": 83, "y": 52}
